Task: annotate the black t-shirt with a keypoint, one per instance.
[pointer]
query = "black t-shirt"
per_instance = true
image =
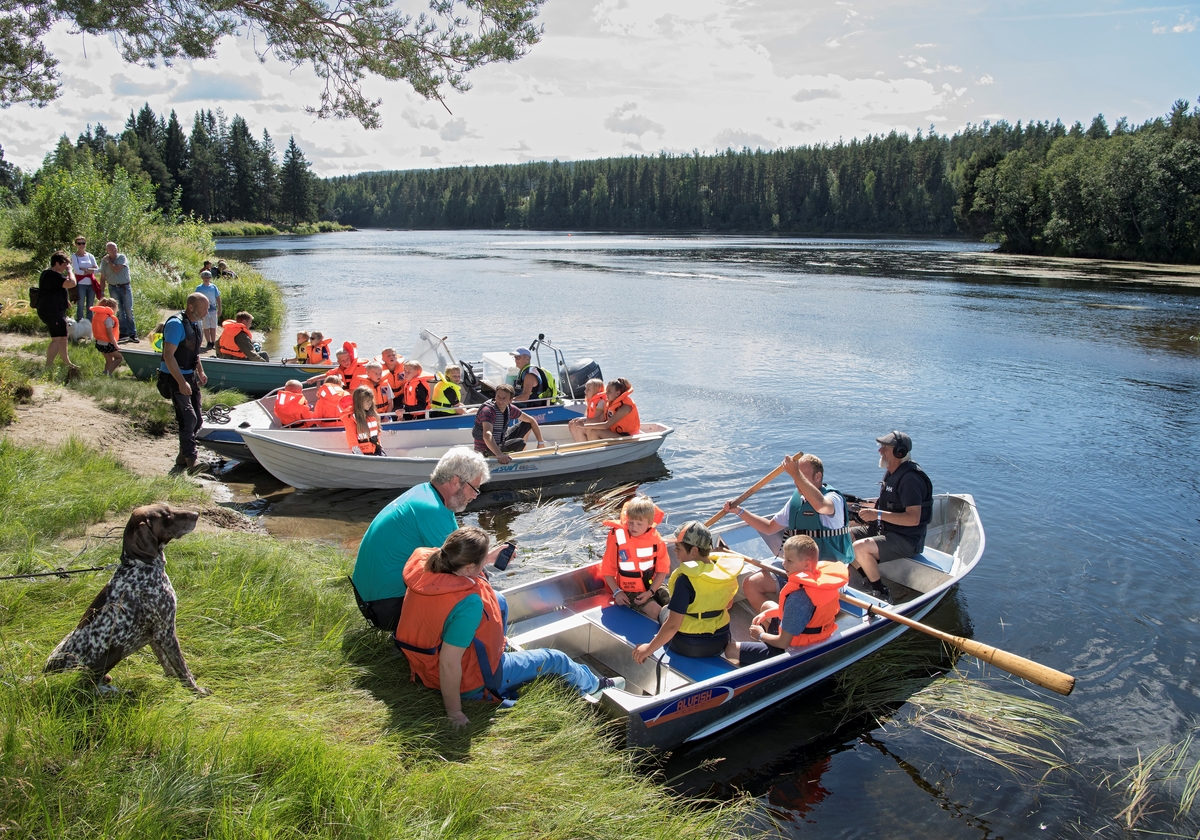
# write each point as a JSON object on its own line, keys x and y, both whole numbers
{"x": 682, "y": 595}
{"x": 52, "y": 297}
{"x": 906, "y": 487}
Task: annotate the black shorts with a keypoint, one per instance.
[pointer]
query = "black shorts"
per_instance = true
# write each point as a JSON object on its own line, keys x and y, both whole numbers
{"x": 106, "y": 348}
{"x": 56, "y": 323}
{"x": 891, "y": 546}
{"x": 700, "y": 644}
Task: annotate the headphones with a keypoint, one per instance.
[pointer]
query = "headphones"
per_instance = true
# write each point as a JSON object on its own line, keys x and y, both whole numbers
{"x": 899, "y": 450}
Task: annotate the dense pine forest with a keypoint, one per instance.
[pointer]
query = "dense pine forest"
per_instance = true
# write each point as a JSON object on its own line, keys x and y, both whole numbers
{"x": 1125, "y": 192}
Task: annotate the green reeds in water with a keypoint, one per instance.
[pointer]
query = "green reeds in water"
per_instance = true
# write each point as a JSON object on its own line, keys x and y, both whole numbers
{"x": 1157, "y": 779}
{"x": 905, "y": 686}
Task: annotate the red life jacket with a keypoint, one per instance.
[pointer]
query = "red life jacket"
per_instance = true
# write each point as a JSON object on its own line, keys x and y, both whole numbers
{"x": 636, "y": 557}
{"x": 350, "y": 373}
{"x": 99, "y": 331}
{"x": 382, "y": 390}
{"x": 368, "y": 442}
{"x": 410, "y": 392}
{"x": 291, "y": 407}
{"x": 318, "y": 354}
{"x": 823, "y": 592}
{"x": 593, "y": 406}
{"x": 631, "y": 423}
{"x": 227, "y": 343}
{"x": 430, "y": 598}
{"x": 329, "y": 402}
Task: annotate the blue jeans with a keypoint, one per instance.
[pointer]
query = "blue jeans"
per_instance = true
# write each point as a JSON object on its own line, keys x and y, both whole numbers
{"x": 124, "y": 297}
{"x": 87, "y": 299}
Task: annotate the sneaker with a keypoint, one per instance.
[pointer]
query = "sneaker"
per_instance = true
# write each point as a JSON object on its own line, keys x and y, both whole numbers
{"x": 879, "y": 590}
{"x": 605, "y": 682}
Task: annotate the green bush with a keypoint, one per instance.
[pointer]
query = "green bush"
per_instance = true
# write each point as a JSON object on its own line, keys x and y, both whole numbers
{"x": 24, "y": 321}
{"x": 15, "y": 388}
{"x": 256, "y": 295}
{"x": 69, "y": 202}
{"x": 242, "y": 229}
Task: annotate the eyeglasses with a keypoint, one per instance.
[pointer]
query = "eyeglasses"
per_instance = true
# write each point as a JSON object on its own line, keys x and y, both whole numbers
{"x": 472, "y": 486}
{"x": 80, "y": 241}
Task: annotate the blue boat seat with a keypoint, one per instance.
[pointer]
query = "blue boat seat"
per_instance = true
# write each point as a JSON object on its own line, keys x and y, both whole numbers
{"x": 635, "y": 628}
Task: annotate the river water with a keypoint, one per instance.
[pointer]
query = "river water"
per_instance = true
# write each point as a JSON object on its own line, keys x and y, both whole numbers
{"x": 1062, "y": 395}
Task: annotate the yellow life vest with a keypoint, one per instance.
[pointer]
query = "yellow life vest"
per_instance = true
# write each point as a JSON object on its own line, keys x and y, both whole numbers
{"x": 716, "y": 585}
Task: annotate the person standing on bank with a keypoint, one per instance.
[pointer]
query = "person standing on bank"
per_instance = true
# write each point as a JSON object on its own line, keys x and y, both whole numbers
{"x": 422, "y": 516}
{"x": 209, "y": 289}
{"x": 85, "y": 266}
{"x": 114, "y": 273}
{"x": 181, "y": 374}
{"x": 901, "y": 513}
{"x": 815, "y": 510}
{"x": 52, "y": 307}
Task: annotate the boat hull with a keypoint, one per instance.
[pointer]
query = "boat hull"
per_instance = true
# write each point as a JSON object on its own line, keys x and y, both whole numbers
{"x": 251, "y": 378}
{"x": 309, "y": 460}
{"x": 670, "y": 701}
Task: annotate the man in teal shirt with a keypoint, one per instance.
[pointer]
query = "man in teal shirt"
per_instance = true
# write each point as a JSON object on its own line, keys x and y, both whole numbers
{"x": 421, "y": 517}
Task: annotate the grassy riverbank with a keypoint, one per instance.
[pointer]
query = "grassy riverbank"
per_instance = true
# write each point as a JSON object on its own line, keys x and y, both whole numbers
{"x": 313, "y": 728}
{"x": 259, "y": 229}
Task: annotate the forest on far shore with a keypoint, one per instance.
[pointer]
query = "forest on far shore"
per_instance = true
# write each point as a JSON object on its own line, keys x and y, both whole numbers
{"x": 1118, "y": 192}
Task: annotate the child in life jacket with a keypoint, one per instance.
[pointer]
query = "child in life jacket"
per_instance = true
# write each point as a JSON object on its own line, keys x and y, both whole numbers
{"x": 362, "y": 424}
{"x": 301, "y": 349}
{"x": 594, "y": 399}
{"x": 105, "y": 332}
{"x": 156, "y": 337}
{"x": 329, "y": 400}
{"x": 318, "y": 349}
{"x": 635, "y": 563}
{"x": 291, "y": 408}
{"x": 808, "y": 604}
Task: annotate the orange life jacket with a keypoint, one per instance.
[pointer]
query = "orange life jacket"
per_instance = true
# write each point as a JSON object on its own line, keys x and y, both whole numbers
{"x": 823, "y": 592}
{"x": 291, "y": 407}
{"x": 99, "y": 331}
{"x": 329, "y": 402}
{"x": 410, "y": 392}
{"x": 631, "y": 423}
{"x": 349, "y": 374}
{"x": 318, "y": 354}
{"x": 368, "y": 442}
{"x": 593, "y": 406}
{"x": 430, "y": 598}
{"x": 227, "y": 343}
{"x": 382, "y": 390}
{"x": 636, "y": 557}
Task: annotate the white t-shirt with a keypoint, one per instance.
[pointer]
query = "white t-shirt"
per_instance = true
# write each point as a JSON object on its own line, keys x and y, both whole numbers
{"x": 84, "y": 265}
{"x": 833, "y": 521}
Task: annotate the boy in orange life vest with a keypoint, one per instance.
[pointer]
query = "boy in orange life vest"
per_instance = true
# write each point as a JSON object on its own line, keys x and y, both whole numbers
{"x": 106, "y": 331}
{"x": 621, "y": 415}
{"x": 318, "y": 349}
{"x": 393, "y": 370}
{"x": 362, "y": 424}
{"x": 291, "y": 408}
{"x": 635, "y": 563}
{"x": 809, "y": 604}
{"x": 329, "y": 400}
{"x": 594, "y": 397}
{"x": 415, "y": 394}
{"x": 374, "y": 379}
{"x": 236, "y": 341}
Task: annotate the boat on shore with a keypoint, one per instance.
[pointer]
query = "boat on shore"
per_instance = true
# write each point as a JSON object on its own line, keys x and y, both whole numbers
{"x": 251, "y": 378}
{"x": 308, "y": 459}
{"x": 671, "y": 700}
{"x": 222, "y": 429}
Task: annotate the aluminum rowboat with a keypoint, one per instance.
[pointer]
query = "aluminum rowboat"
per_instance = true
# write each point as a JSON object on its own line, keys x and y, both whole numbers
{"x": 671, "y": 700}
{"x": 308, "y": 459}
{"x": 252, "y": 378}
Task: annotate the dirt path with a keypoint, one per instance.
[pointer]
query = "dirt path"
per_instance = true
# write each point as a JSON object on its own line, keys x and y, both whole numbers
{"x": 57, "y": 413}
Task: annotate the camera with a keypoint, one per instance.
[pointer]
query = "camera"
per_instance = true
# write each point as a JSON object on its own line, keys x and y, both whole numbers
{"x": 505, "y": 555}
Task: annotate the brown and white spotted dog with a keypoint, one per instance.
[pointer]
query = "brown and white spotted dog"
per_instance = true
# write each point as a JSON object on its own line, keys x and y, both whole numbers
{"x": 137, "y": 607}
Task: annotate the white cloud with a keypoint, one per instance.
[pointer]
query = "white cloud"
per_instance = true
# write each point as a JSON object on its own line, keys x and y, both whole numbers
{"x": 732, "y": 138}
{"x": 1183, "y": 25}
{"x": 455, "y": 130}
{"x": 985, "y": 79}
{"x": 625, "y": 120}
{"x": 430, "y": 151}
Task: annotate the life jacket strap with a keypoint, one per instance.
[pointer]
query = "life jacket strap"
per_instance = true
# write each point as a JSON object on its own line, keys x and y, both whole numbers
{"x": 817, "y": 532}
{"x": 707, "y": 614}
{"x": 426, "y": 651}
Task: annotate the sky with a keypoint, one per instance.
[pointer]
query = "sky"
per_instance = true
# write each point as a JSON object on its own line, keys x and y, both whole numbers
{"x": 621, "y": 77}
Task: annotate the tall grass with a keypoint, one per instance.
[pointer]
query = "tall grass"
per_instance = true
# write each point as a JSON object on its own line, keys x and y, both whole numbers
{"x": 242, "y": 229}
{"x": 46, "y": 493}
{"x": 15, "y": 388}
{"x": 313, "y": 730}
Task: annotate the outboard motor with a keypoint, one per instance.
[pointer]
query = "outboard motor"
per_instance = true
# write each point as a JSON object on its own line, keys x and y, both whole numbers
{"x": 578, "y": 374}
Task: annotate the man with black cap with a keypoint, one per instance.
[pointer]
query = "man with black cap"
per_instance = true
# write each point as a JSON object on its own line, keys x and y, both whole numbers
{"x": 702, "y": 588}
{"x": 901, "y": 514}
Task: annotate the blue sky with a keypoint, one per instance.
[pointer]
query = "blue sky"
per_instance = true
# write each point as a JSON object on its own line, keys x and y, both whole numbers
{"x": 615, "y": 77}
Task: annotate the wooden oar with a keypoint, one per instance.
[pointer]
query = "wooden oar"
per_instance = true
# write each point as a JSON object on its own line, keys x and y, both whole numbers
{"x": 767, "y": 479}
{"x": 1019, "y": 666}
{"x": 568, "y": 447}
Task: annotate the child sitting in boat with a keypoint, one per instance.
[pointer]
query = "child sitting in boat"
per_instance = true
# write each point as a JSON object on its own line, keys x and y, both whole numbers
{"x": 636, "y": 563}
{"x": 318, "y": 349}
{"x": 809, "y": 604}
{"x": 329, "y": 399}
{"x": 594, "y": 397}
{"x": 300, "y": 354}
{"x": 362, "y": 424}
{"x": 291, "y": 408}
{"x": 620, "y": 416}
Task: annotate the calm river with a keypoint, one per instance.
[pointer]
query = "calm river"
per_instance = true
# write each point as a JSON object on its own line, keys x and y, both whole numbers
{"x": 1064, "y": 397}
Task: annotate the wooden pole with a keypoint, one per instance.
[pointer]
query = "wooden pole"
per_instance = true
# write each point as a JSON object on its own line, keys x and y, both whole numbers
{"x": 763, "y": 482}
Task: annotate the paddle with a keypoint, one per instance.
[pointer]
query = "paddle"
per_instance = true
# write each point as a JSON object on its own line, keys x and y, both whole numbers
{"x": 568, "y": 447}
{"x": 1019, "y": 666}
{"x": 763, "y": 482}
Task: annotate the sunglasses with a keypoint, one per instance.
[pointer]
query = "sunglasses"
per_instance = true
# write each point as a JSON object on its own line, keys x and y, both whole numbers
{"x": 80, "y": 241}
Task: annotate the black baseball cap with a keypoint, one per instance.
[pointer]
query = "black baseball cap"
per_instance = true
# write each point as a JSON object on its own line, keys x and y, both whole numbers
{"x": 895, "y": 439}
